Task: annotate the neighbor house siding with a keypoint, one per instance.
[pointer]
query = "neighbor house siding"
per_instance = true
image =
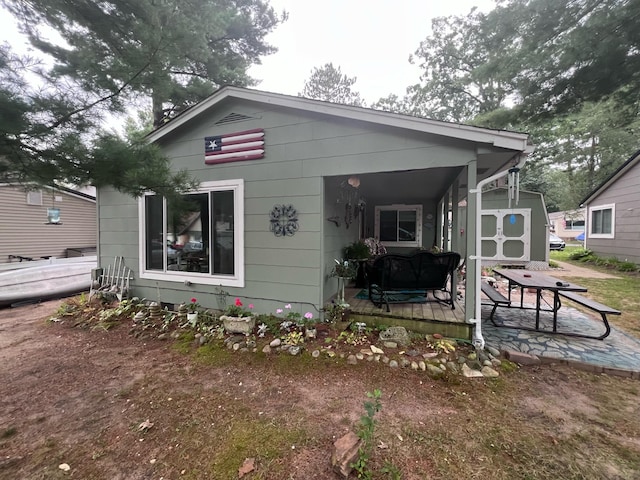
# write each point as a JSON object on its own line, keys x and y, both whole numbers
{"x": 301, "y": 149}
{"x": 24, "y": 230}
{"x": 624, "y": 193}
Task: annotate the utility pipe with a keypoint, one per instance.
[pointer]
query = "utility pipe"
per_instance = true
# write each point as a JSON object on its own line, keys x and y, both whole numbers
{"x": 478, "y": 339}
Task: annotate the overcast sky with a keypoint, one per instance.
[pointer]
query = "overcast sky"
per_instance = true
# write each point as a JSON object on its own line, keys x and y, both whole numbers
{"x": 368, "y": 39}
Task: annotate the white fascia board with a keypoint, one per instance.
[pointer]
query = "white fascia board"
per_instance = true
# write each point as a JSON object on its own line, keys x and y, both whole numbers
{"x": 498, "y": 138}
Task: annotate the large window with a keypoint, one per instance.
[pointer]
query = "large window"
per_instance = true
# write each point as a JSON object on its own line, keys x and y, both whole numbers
{"x": 602, "y": 221}
{"x": 197, "y": 235}
{"x": 399, "y": 225}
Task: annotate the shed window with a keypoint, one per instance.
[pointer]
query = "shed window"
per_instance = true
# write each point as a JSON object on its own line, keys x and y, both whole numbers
{"x": 198, "y": 235}
{"x": 602, "y": 221}
{"x": 399, "y": 225}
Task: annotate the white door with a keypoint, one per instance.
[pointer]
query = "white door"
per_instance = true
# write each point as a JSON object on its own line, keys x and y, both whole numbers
{"x": 506, "y": 235}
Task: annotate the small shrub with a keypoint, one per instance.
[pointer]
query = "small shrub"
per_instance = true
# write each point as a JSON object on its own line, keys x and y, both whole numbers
{"x": 581, "y": 254}
{"x": 627, "y": 267}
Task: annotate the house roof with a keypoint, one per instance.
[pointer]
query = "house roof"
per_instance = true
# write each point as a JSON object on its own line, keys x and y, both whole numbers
{"x": 59, "y": 188}
{"x": 611, "y": 179}
{"x": 498, "y": 138}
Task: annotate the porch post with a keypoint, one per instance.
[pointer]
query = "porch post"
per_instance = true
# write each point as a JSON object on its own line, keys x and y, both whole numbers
{"x": 471, "y": 231}
{"x": 454, "y": 229}
{"x": 438, "y": 225}
{"x": 445, "y": 219}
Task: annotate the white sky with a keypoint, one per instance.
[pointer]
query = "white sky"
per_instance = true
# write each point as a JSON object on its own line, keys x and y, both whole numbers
{"x": 367, "y": 39}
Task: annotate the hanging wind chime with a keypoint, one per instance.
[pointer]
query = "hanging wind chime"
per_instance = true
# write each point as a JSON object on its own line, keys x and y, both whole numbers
{"x": 513, "y": 190}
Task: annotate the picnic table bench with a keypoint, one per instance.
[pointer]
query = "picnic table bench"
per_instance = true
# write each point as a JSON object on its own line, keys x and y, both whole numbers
{"x": 603, "y": 310}
{"x": 496, "y": 298}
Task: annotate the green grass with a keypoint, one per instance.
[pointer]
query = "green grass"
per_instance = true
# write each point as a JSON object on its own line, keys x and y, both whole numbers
{"x": 620, "y": 293}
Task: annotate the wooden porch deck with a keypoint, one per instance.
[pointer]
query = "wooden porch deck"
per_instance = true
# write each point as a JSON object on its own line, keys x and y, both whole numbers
{"x": 426, "y": 317}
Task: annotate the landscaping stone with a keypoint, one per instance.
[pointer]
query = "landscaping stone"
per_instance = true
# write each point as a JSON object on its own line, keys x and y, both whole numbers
{"x": 493, "y": 351}
{"x": 433, "y": 370}
{"x": 266, "y": 349}
{"x": 276, "y": 342}
{"x": 390, "y": 345}
{"x": 398, "y": 335}
{"x": 489, "y": 372}
{"x": 345, "y": 453}
{"x": 294, "y": 350}
{"x": 393, "y": 364}
{"x": 359, "y": 356}
{"x": 352, "y": 360}
{"x": 429, "y": 355}
{"x": 414, "y": 366}
{"x": 315, "y": 353}
{"x": 377, "y": 350}
{"x": 422, "y": 365}
{"x": 470, "y": 373}
{"x": 521, "y": 358}
{"x": 404, "y": 362}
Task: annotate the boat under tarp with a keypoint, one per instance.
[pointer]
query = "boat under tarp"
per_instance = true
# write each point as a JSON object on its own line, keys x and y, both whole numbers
{"x": 45, "y": 282}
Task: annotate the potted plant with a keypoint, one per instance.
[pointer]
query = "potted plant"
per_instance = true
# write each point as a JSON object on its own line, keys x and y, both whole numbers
{"x": 237, "y": 319}
{"x": 358, "y": 252}
{"x": 343, "y": 270}
{"x": 192, "y": 312}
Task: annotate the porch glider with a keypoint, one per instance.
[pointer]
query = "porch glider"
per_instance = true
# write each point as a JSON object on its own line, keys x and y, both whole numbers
{"x": 424, "y": 271}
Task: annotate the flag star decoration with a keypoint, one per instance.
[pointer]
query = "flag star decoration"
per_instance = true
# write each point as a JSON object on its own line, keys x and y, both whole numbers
{"x": 234, "y": 147}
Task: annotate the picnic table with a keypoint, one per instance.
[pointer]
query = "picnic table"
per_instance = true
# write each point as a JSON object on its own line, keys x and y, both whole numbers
{"x": 540, "y": 283}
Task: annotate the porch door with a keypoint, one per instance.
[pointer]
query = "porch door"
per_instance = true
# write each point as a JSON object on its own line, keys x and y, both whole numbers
{"x": 506, "y": 235}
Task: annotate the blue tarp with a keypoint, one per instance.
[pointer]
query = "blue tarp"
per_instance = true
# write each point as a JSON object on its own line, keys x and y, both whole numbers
{"x": 580, "y": 237}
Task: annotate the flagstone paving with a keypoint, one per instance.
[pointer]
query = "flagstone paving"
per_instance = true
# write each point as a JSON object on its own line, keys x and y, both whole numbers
{"x": 619, "y": 351}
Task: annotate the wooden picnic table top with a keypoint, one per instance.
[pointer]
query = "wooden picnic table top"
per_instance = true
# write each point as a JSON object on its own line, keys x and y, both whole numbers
{"x": 537, "y": 280}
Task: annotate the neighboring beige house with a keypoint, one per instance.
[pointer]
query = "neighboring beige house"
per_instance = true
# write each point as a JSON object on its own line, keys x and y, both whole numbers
{"x": 45, "y": 222}
{"x": 568, "y": 224}
{"x": 613, "y": 220}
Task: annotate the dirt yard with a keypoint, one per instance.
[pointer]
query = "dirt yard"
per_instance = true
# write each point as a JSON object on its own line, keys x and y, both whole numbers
{"x": 93, "y": 404}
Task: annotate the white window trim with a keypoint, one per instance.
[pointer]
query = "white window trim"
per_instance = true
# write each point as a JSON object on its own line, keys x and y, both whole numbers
{"x": 236, "y": 280}
{"x": 416, "y": 208}
{"x": 610, "y": 206}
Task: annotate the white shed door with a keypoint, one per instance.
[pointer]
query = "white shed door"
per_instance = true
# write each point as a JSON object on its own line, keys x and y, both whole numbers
{"x": 506, "y": 235}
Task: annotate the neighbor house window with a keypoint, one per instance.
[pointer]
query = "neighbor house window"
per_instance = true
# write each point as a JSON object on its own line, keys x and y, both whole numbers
{"x": 574, "y": 225}
{"x": 602, "y": 221}
{"x": 34, "y": 197}
{"x": 399, "y": 225}
{"x": 195, "y": 236}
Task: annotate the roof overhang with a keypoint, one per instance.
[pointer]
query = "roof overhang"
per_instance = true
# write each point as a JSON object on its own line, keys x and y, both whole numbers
{"x": 631, "y": 161}
{"x": 505, "y": 139}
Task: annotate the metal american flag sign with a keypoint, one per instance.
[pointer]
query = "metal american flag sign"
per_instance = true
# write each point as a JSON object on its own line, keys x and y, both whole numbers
{"x": 234, "y": 147}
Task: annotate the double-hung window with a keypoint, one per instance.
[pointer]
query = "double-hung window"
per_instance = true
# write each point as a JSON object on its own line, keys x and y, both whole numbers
{"x": 399, "y": 225}
{"x": 197, "y": 236}
{"x": 602, "y": 221}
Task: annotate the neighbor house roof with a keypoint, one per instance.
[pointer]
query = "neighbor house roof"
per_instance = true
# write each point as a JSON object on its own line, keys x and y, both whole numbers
{"x": 611, "y": 179}
{"x": 498, "y": 138}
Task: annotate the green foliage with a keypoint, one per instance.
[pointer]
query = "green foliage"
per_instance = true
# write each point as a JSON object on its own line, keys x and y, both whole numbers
{"x": 366, "y": 431}
{"x": 581, "y": 254}
{"x": 103, "y": 58}
{"x": 328, "y": 83}
{"x": 357, "y": 251}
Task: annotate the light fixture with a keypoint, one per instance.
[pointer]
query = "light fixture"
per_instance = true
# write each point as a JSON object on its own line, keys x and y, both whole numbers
{"x": 354, "y": 181}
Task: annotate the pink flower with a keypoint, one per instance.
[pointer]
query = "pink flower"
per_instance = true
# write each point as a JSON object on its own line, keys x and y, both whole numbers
{"x": 308, "y": 315}
{"x": 238, "y": 302}
{"x": 288, "y": 305}
{"x": 193, "y": 300}
{"x": 251, "y": 306}
{"x": 279, "y": 310}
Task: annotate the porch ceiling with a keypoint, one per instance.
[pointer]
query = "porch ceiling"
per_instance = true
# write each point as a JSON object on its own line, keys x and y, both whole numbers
{"x": 430, "y": 183}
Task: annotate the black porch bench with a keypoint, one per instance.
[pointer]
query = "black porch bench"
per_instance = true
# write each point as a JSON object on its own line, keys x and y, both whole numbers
{"x": 497, "y": 299}
{"x": 603, "y": 310}
{"x": 423, "y": 271}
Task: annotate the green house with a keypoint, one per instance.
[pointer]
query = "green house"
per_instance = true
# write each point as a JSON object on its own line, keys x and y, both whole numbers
{"x": 286, "y": 184}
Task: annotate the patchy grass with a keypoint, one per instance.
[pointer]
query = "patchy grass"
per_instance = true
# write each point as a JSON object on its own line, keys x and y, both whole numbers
{"x": 620, "y": 293}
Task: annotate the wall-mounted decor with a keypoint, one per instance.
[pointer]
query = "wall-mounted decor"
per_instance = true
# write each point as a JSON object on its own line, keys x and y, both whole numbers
{"x": 234, "y": 147}
{"x": 284, "y": 220}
